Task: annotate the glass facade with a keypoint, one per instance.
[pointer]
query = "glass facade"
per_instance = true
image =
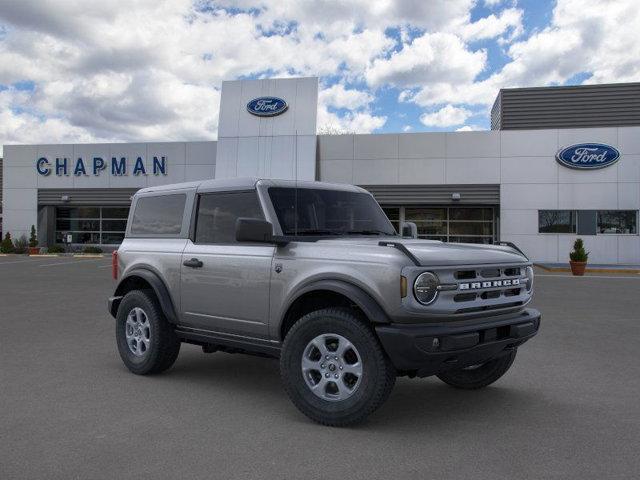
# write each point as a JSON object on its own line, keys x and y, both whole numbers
{"x": 91, "y": 225}
{"x": 588, "y": 222}
{"x": 556, "y": 221}
{"x": 448, "y": 224}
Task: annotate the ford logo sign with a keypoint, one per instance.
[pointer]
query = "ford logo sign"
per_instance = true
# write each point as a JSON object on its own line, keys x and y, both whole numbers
{"x": 588, "y": 156}
{"x": 267, "y": 106}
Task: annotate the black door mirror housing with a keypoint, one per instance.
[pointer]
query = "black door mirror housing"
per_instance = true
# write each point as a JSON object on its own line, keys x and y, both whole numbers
{"x": 254, "y": 230}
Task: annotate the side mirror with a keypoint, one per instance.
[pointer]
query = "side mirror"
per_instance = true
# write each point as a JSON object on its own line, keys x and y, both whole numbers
{"x": 409, "y": 229}
{"x": 254, "y": 230}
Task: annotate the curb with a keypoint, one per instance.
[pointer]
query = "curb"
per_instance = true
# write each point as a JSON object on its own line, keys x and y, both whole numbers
{"x": 88, "y": 255}
{"x": 590, "y": 269}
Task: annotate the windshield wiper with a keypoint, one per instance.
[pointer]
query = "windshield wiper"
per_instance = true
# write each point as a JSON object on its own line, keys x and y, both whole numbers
{"x": 369, "y": 232}
{"x": 315, "y": 231}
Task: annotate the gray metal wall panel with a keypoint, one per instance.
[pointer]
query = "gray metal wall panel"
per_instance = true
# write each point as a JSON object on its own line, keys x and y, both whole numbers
{"x": 435, "y": 194}
{"x": 567, "y": 107}
{"x": 86, "y": 196}
{"x": 587, "y": 222}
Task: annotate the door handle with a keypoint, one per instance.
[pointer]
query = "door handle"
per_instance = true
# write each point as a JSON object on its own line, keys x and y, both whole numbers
{"x": 193, "y": 263}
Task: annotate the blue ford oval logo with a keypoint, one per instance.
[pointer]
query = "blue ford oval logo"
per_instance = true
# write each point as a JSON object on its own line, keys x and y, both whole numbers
{"x": 267, "y": 106}
{"x": 588, "y": 156}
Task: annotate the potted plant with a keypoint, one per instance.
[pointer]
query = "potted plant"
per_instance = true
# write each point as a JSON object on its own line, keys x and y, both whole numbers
{"x": 33, "y": 242}
{"x": 578, "y": 258}
{"x": 7, "y": 244}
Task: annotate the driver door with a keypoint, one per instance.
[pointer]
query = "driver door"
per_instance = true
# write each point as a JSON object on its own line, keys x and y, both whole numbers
{"x": 225, "y": 284}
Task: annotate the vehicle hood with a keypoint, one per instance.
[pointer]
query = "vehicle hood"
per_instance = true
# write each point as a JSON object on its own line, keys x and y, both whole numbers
{"x": 436, "y": 253}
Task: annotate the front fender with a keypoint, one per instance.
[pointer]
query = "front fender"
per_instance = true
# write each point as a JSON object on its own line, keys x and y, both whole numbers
{"x": 357, "y": 295}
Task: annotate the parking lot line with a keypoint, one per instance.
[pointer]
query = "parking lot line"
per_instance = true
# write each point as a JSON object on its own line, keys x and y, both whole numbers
{"x": 19, "y": 261}
{"x": 72, "y": 262}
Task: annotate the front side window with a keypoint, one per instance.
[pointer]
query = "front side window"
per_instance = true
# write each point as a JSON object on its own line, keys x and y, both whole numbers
{"x": 310, "y": 211}
{"x": 556, "y": 221}
{"x": 618, "y": 221}
{"x": 218, "y": 212}
{"x": 159, "y": 215}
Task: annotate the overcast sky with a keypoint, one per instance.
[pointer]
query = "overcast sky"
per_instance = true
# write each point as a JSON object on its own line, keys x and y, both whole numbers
{"x": 84, "y": 71}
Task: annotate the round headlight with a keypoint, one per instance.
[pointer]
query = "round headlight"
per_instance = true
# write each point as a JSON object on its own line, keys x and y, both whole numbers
{"x": 529, "y": 273}
{"x": 425, "y": 288}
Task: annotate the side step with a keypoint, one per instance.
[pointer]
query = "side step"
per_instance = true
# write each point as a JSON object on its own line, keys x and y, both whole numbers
{"x": 212, "y": 341}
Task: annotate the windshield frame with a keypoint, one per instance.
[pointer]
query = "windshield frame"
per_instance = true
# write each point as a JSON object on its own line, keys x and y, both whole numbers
{"x": 279, "y": 229}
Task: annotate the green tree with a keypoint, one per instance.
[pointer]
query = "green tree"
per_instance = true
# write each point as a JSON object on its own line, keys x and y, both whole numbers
{"x": 33, "y": 239}
{"x": 7, "y": 244}
{"x": 579, "y": 254}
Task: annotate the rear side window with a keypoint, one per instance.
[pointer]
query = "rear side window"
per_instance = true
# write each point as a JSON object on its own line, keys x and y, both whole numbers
{"x": 159, "y": 215}
{"x": 218, "y": 212}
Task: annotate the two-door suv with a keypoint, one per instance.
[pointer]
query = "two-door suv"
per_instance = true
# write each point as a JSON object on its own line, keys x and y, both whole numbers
{"x": 314, "y": 274}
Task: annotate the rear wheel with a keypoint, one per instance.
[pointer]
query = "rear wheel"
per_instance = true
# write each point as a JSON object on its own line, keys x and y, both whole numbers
{"x": 146, "y": 341}
{"x": 334, "y": 369}
{"x": 479, "y": 376}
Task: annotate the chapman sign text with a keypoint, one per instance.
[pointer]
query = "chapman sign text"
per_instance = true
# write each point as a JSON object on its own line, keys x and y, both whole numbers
{"x": 118, "y": 166}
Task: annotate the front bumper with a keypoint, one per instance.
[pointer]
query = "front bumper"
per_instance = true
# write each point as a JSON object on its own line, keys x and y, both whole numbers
{"x": 426, "y": 349}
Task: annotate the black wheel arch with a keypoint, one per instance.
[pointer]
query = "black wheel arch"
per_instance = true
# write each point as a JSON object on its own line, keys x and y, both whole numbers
{"x": 340, "y": 289}
{"x": 141, "y": 278}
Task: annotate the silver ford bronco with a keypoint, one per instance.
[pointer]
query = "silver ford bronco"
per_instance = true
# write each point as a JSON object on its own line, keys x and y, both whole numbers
{"x": 314, "y": 274}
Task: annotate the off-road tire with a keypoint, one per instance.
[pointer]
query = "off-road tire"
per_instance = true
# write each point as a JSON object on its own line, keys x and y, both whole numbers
{"x": 378, "y": 376}
{"x": 164, "y": 345}
{"x": 480, "y": 377}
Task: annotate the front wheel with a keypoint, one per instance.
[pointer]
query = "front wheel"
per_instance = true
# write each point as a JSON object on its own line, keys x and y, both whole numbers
{"x": 334, "y": 369}
{"x": 479, "y": 376}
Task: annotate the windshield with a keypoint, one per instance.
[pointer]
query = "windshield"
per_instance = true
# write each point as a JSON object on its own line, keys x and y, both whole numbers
{"x": 328, "y": 212}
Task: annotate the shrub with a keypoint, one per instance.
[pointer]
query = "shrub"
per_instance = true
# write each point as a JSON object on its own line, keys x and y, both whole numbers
{"x": 579, "y": 254}
{"x": 33, "y": 238}
{"x": 20, "y": 245}
{"x": 7, "y": 244}
{"x": 55, "y": 249}
{"x": 92, "y": 250}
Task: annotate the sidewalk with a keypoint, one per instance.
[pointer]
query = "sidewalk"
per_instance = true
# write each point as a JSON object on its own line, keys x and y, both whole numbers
{"x": 591, "y": 268}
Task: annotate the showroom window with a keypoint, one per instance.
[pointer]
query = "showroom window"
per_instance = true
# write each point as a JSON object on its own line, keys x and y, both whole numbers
{"x": 448, "y": 224}
{"x": 393, "y": 213}
{"x": 557, "y": 221}
{"x": 618, "y": 222}
{"x": 588, "y": 222}
{"x": 93, "y": 225}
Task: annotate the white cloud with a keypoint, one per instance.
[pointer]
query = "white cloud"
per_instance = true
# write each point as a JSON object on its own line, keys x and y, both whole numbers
{"x": 583, "y": 37}
{"x": 469, "y": 128}
{"x": 509, "y": 20}
{"x": 151, "y": 69}
{"x": 351, "y": 122}
{"x": 407, "y": 128}
{"x": 432, "y": 57}
{"x": 447, "y": 116}
{"x": 338, "y": 96}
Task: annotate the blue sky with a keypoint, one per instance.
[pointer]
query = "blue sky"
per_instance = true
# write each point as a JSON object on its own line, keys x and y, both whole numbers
{"x": 77, "y": 71}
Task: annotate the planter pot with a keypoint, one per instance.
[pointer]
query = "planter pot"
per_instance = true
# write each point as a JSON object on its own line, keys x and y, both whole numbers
{"x": 578, "y": 268}
{"x": 34, "y": 250}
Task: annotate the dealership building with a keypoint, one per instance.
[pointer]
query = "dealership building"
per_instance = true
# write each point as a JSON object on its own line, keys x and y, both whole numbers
{"x": 559, "y": 163}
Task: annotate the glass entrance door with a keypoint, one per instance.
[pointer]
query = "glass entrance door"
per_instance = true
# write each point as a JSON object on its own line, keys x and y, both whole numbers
{"x": 91, "y": 225}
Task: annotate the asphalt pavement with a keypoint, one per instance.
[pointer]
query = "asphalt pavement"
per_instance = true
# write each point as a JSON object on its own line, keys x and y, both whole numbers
{"x": 568, "y": 408}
